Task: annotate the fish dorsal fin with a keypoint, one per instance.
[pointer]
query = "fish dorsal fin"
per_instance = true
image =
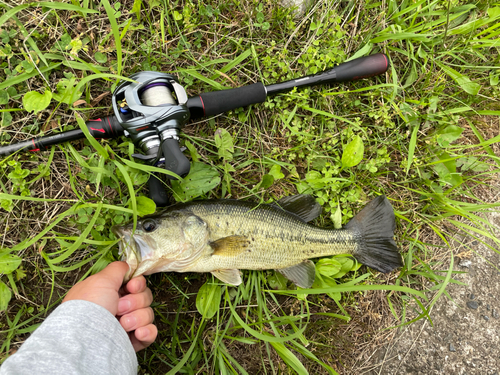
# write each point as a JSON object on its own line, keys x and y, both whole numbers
{"x": 230, "y": 246}
{"x": 303, "y": 206}
{"x": 232, "y": 277}
{"x": 302, "y": 274}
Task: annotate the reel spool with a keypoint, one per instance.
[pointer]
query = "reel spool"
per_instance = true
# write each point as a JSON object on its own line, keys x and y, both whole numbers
{"x": 152, "y": 111}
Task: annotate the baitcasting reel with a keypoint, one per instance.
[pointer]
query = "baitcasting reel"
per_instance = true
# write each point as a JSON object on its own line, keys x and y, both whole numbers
{"x": 152, "y": 111}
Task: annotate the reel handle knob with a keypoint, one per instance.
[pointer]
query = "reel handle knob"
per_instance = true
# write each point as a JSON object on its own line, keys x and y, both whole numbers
{"x": 157, "y": 191}
{"x": 175, "y": 160}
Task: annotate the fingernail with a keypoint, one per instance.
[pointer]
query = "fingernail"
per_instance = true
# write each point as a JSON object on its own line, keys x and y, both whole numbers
{"x": 123, "y": 306}
{"x": 129, "y": 322}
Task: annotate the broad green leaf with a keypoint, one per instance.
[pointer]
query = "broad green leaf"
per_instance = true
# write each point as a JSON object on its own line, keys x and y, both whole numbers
{"x": 208, "y": 299}
{"x": 472, "y": 163}
{"x": 277, "y": 281}
{"x": 201, "y": 179}
{"x": 4, "y": 97}
{"x": 267, "y": 182}
{"x": 447, "y": 170}
{"x": 5, "y": 296}
{"x": 347, "y": 265}
{"x": 9, "y": 263}
{"x": 66, "y": 91}
{"x": 224, "y": 143}
{"x": 448, "y": 135}
{"x": 100, "y": 57}
{"x": 494, "y": 78}
{"x": 177, "y": 16}
{"x": 275, "y": 171}
{"x": 328, "y": 266}
{"x": 353, "y": 152}
{"x": 7, "y": 204}
{"x": 6, "y": 119}
{"x": 145, "y": 206}
{"x": 315, "y": 179}
{"x": 36, "y": 102}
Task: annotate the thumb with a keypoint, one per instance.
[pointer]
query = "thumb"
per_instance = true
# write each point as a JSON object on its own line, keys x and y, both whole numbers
{"x": 115, "y": 272}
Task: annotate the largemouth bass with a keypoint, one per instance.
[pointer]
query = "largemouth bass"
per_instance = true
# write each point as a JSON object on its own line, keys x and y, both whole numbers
{"x": 226, "y": 236}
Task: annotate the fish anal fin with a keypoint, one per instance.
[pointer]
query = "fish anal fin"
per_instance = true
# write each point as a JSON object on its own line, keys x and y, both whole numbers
{"x": 230, "y": 246}
{"x": 232, "y": 277}
{"x": 303, "y": 206}
{"x": 302, "y": 274}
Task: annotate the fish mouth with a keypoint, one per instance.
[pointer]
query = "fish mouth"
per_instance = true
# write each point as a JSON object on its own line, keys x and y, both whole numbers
{"x": 129, "y": 249}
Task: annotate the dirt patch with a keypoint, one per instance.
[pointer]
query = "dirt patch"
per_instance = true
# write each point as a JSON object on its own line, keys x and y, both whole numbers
{"x": 464, "y": 336}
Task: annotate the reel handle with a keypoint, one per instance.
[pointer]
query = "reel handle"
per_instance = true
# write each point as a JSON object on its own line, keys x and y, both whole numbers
{"x": 157, "y": 191}
{"x": 175, "y": 160}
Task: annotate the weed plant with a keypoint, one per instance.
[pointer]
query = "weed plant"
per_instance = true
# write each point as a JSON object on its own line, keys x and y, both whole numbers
{"x": 425, "y": 134}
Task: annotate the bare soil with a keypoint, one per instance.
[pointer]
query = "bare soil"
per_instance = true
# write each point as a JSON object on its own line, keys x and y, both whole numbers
{"x": 464, "y": 336}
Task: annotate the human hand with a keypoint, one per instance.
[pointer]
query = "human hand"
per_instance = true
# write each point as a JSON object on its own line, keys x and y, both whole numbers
{"x": 130, "y": 303}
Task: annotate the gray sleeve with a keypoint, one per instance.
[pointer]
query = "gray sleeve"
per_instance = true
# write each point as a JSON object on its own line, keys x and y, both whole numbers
{"x": 79, "y": 337}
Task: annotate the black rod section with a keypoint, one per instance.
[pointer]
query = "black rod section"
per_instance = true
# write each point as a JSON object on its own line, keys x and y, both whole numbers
{"x": 216, "y": 102}
{"x": 106, "y": 127}
{"x": 353, "y": 70}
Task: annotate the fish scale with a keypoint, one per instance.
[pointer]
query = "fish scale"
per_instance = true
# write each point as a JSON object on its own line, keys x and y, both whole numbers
{"x": 267, "y": 228}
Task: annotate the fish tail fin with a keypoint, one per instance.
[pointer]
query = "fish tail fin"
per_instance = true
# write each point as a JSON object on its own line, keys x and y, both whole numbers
{"x": 375, "y": 224}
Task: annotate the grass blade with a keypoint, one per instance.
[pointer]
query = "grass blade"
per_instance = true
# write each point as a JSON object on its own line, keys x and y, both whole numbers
{"x": 116, "y": 34}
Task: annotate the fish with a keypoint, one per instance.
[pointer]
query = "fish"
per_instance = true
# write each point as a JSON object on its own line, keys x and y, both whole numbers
{"x": 227, "y": 235}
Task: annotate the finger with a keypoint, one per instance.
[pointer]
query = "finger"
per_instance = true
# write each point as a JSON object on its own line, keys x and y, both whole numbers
{"x": 136, "y": 285}
{"x": 137, "y": 318}
{"x": 133, "y": 302}
{"x": 115, "y": 272}
{"x": 143, "y": 337}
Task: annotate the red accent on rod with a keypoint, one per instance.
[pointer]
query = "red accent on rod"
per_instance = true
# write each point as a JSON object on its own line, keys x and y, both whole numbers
{"x": 203, "y": 105}
{"x": 98, "y": 130}
{"x": 386, "y": 61}
{"x": 110, "y": 127}
{"x": 96, "y": 120}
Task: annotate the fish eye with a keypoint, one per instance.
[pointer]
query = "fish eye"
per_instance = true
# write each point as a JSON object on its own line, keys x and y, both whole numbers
{"x": 149, "y": 225}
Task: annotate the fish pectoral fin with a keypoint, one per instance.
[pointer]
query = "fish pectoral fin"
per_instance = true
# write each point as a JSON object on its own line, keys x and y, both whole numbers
{"x": 303, "y": 206}
{"x": 230, "y": 246}
{"x": 302, "y": 274}
{"x": 232, "y": 277}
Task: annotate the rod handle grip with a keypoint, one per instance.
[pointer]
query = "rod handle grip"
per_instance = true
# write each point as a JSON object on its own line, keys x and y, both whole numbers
{"x": 362, "y": 67}
{"x": 217, "y": 102}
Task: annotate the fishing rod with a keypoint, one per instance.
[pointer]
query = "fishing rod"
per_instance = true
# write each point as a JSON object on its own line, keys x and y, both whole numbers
{"x": 153, "y": 109}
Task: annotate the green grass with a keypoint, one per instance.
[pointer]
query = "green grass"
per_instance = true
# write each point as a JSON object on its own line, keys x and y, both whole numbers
{"x": 428, "y": 130}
